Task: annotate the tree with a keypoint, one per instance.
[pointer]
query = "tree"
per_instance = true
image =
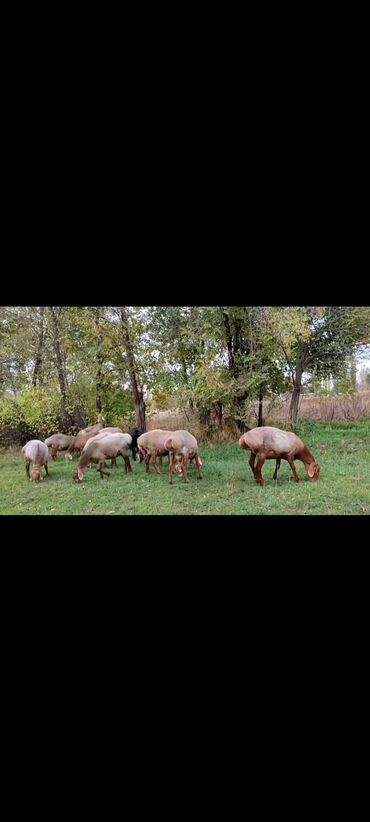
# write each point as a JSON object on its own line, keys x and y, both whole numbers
{"x": 176, "y": 341}
{"x": 316, "y": 340}
{"x": 38, "y": 368}
{"x": 136, "y": 387}
{"x": 56, "y": 315}
{"x": 220, "y": 361}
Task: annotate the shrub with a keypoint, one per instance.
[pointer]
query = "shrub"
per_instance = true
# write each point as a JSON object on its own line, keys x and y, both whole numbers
{"x": 13, "y": 427}
{"x": 41, "y": 411}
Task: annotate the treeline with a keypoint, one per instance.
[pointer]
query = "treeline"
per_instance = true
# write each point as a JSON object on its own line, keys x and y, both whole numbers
{"x": 62, "y": 365}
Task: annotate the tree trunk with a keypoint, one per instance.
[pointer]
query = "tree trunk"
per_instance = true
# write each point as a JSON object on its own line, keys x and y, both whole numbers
{"x": 140, "y": 413}
{"x": 235, "y": 347}
{"x": 229, "y": 341}
{"x": 186, "y": 378}
{"x": 99, "y": 358}
{"x": 294, "y": 402}
{"x": 137, "y": 393}
{"x": 55, "y": 312}
{"x": 260, "y": 407}
{"x": 219, "y": 415}
{"x": 37, "y": 371}
{"x": 205, "y": 419}
{"x": 239, "y": 408}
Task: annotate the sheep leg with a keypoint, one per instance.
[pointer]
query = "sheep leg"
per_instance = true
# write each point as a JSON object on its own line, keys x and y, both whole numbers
{"x": 257, "y": 473}
{"x": 100, "y": 469}
{"x": 184, "y": 468}
{"x": 278, "y": 461}
{"x": 113, "y": 462}
{"x": 252, "y": 461}
{"x": 54, "y": 452}
{"x": 154, "y": 461}
{"x": 128, "y": 468}
{"x": 197, "y": 465}
{"x": 46, "y": 469}
{"x": 171, "y": 463}
{"x": 27, "y": 466}
{"x": 294, "y": 472}
{"x": 147, "y": 461}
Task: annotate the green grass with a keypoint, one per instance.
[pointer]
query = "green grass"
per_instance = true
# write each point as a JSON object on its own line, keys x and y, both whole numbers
{"x": 228, "y": 487}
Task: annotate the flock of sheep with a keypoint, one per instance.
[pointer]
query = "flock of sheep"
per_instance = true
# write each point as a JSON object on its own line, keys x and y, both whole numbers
{"x": 97, "y": 444}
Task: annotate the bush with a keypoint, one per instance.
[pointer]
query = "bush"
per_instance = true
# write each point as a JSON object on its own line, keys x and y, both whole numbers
{"x": 37, "y": 412}
{"x": 13, "y": 427}
{"x": 118, "y": 407}
{"x": 34, "y": 414}
{"x": 42, "y": 412}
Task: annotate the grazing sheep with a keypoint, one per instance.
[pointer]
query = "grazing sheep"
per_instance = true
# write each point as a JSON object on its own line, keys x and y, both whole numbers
{"x": 134, "y": 434}
{"x": 81, "y": 439}
{"x": 182, "y": 445}
{"x": 36, "y": 452}
{"x": 268, "y": 443}
{"x": 151, "y": 446}
{"x": 103, "y": 433}
{"x": 58, "y": 442}
{"x": 98, "y": 450}
{"x": 151, "y": 449}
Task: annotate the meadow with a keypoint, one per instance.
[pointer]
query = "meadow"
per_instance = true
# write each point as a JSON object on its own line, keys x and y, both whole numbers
{"x": 228, "y": 487}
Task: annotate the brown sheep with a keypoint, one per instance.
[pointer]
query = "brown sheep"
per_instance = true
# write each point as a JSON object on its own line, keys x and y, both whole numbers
{"x": 268, "y": 443}
{"x": 184, "y": 447}
{"x": 98, "y": 450}
{"x": 151, "y": 446}
{"x": 80, "y": 440}
{"x": 36, "y": 452}
{"x": 103, "y": 433}
{"x": 58, "y": 442}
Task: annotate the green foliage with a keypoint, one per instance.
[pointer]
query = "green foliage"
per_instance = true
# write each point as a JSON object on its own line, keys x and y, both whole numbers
{"x": 41, "y": 410}
{"x": 13, "y": 426}
{"x": 34, "y": 414}
{"x": 38, "y": 413}
{"x": 81, "y": 404}
{"x": 161, "y": 399}
{"x": 118, "y": 407}
{"x": 343, "y": 386}
{"x": 319, "y": 388}
{"x": 214, "y": 358}
{"x": 211, "y": 384}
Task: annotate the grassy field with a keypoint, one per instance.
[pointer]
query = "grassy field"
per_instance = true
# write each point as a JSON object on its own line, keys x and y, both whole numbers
{"x": 228, "y": 487}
